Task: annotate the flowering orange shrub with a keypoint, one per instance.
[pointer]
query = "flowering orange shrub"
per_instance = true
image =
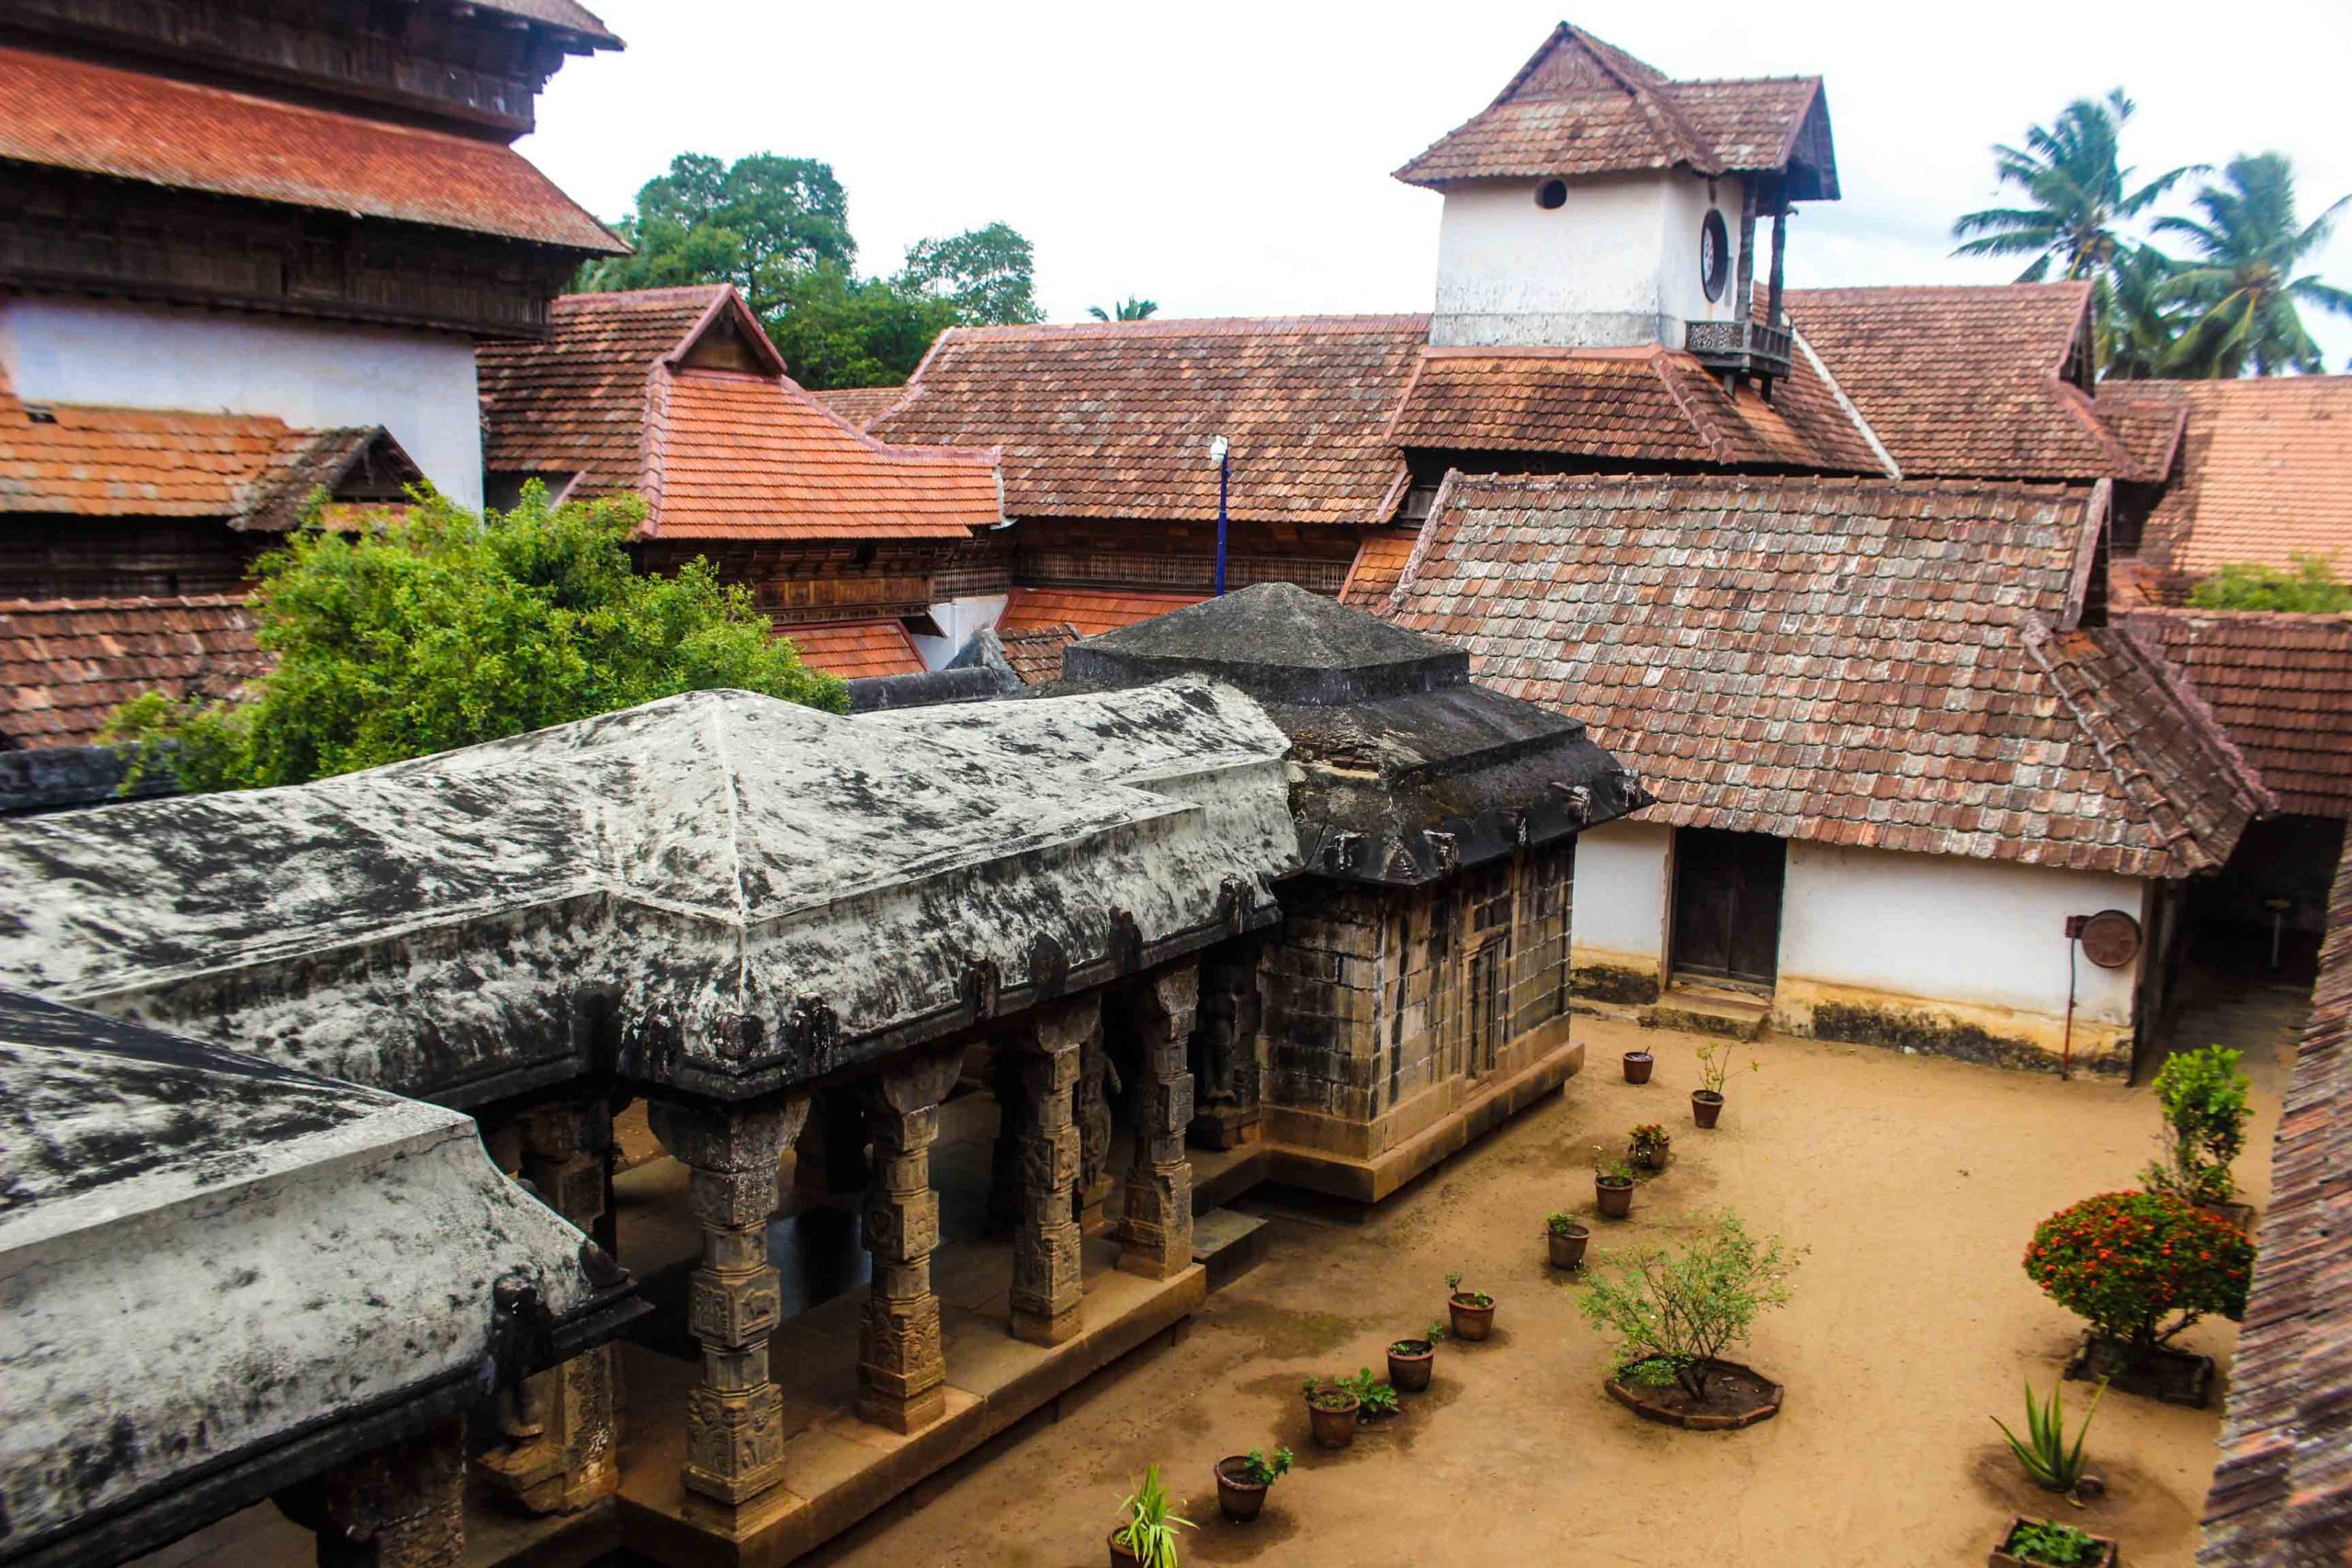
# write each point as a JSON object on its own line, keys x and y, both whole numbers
{"x": 2141, "y": 1267}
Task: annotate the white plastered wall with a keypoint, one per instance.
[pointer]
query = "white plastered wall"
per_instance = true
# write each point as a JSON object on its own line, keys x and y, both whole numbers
{"x": 312, "y": 374}
{"x": 1619, "y": 919}
{"x": 1616, "y": 266}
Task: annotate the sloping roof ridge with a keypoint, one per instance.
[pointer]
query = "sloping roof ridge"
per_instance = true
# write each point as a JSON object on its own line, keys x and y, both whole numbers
{"x": 1845, "y": 405}
{"x": 1175, "y": 326}
{"x": 2085, "y": 410}
{"x": 2025, "y": 490}
{"x": 2204, "y": 724}
{"x": 728, "y": 302}
{"x": 1716, "y": 441}
{"x": 132, "y": 602}
{"x": 2047, "y": 286}
{"x": 1621, "y": 67}
{"x": 597, "y": 296}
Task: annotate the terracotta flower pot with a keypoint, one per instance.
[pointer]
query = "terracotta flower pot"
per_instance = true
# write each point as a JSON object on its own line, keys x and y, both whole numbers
{"x": 1653, "y": 1157}
{"x": 1637, "y": 1067}
{"x": 1568, "y": 1250}
{"x": 1615, "y": 1198}
{"x": 1237, "y": 1499}
{"x": 1705, "y": 1106}
{"x": 1333, "y": 1421}
{"x": 1409, "y": 1371}
{"x": 1120, "y": 1555}
{"x": 2002, "y": 1558}
{"x": 1471, "y": 1321}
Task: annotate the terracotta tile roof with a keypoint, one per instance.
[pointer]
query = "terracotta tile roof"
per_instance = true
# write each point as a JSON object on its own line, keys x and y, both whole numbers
{"x": 1035, "y": 654}
{"x": 2282, "y": 1493}
{"x": 96, "y": 119}
{"x": 251, "y": 469}
{"x": 615, "y": 395}
{"x": 1114, "y": 419}
{"x": 65, "y": 664}
{"x": 740, "y": 457}
{"x": 1631, "y": 405}
{"x": 1582, "y": 106}
{"x": 1967, "y": 382}
{"x": 566, "y": 15}
{"x": 2265, "y": 470}
{"x": 1853, "y": 662}
{"x": 1089, "y": 610}
{"x": 2281, "y": 687}
{"x": 860, "y": 405}
{"x": 1380, "y": 561}
{"x": 857, "y": 650}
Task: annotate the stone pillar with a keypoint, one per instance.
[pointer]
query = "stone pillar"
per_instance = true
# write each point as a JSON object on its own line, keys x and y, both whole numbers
{"x": 1156, "y": 1237}
{"x": 558, "y": 1453}
{"x": 1224, "y": 1049}
{"x": 734, "y": 1417}
{"x": 902, "y": 1364}
{"x": 402, "y": 1507}
{"x": 1047, "y": 1284}
{"x": 1096, "y": 1083}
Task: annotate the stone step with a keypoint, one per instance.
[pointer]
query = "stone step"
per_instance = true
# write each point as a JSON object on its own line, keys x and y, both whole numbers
{"x": 1230, "y": 1243}
{"x": 1707, "y": 1010}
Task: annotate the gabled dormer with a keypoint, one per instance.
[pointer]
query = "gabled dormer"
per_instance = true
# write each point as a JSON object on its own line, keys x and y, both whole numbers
{"x": 1596, "y": 203}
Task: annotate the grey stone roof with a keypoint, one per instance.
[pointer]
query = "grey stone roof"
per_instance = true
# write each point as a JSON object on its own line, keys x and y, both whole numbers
{"x": 203, "y": 1256}
{"x": 1408, "y": 772}
{"x": 718, "y": 891}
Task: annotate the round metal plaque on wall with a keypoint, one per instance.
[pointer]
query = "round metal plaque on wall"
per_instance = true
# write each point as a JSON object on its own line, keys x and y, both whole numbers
{"x": 1714, "y": 256}
{"x": 2110, "y": 938}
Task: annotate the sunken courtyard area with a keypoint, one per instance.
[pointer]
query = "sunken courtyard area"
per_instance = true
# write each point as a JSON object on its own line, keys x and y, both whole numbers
{"x": 1914, "y": 1183}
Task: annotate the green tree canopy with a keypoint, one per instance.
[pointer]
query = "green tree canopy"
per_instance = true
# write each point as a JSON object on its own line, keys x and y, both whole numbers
{"x": 2310, "y": 588}
{"x": 443, "y": 629}
{"x": 778, "y": 229}
{"x": 2243, "y": 289}
{"x": 1131, "y": 309}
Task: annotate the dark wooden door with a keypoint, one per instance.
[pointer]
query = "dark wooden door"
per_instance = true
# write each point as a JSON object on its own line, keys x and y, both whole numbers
{"x": 1727, "y": 905}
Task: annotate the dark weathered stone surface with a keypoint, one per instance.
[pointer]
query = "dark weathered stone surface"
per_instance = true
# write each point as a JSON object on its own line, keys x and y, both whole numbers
{"x": 203, "y": 1254}
{"x": 1408, "y": 773}
{"x": 718, "y": 891}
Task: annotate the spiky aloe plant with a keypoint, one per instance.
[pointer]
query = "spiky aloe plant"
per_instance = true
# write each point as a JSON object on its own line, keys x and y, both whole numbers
{"x": 2049, "y": 1461}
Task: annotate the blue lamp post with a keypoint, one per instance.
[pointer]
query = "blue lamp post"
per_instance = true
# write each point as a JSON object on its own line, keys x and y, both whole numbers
{"x": 1221, "y": 454}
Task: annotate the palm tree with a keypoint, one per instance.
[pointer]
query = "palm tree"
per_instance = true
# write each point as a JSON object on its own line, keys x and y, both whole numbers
{"x": 2137, "y": 323}
{"x": 2242, "y": 291}
{"x": 2077, "y": 194}
{"x": 1127, "y": 309}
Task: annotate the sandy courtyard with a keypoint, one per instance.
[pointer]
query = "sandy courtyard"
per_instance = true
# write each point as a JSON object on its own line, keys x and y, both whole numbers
{"x": 1914, "y": 1183}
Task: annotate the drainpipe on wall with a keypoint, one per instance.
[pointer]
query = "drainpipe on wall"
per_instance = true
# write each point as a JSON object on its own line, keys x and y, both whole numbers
{"x": 2075, "y": 924}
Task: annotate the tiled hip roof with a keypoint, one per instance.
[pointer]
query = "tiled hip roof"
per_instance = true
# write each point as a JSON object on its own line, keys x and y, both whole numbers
{"x": 856, "y": 650}
{"x": 2281, "y": 687}
{"x": 1857, "y": 662}
{"x": 1089, "y": 611}
{"x": 96, "y": 119}
{"x": 66, "y": 664}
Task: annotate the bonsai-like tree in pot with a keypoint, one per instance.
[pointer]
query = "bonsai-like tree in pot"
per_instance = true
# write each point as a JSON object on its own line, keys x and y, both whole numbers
{"x": 2141, "y": 1267}
{"x": 1675, "y": 1314}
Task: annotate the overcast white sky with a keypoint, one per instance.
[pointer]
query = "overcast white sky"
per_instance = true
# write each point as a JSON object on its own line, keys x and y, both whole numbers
{"x": 1232, "y": 158}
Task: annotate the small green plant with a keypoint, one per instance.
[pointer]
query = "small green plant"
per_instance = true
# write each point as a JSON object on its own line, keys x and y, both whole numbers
{"x": 1714, "y": 1065}
{"x": 1257, "y": 1469}
{"x": 1675, "y": 1314}
{"x": 1431, "y": 1334}
{"x": 1615, "y": 1172}
{"x": 1649, "y": 1139}
{"x": 2203, "y": 1096}
{"x": 2049, "y": 1463}
{"x": 1468, "y": 1298}
{"x": 1374, "y": 1398}
{"x": 1561, "y": 1224}
{"x": 2059, "y": 1546}
{"x": 1333, "y": 1395}
{"x": 1152, "y": 1523}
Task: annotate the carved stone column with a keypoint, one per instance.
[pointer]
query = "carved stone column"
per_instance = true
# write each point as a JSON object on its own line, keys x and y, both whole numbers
{"x": 560, "y": 1454}
{"x": 1156, "y": 1237}
{"x": 1046, "y": 1284}
{"x": 402, "y": 1507}
{"x": 902, "y": 1364}
{"x": 1096, "y": 1083}
{"x": 734, "y": 1418}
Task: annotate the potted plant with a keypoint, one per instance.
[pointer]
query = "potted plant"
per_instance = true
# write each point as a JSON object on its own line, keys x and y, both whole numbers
{"x": 1242, "y": 1481}
{"x": 1714, "y": 1067}
{"x": 1410, "y": 1362}
{"x": 1376, "y": 1400}
{"x": 1567, "y": 1236}
{"x": 1637, "y": 1067}
{"x": 2138, "y": 1267}
{"x": 2046, "y": 1543}
{"x": 2205, "y": 1110}
{"x": 1649, "y": 1144}
{"x": 1149, "y": 1536}
{"x": 1676, "y": 1315}
{"x": 1612, "y": 1186}
{"x": 1331, "y": 1413}
{"x": 2050, "y": 1464}
{"x": 1473, "y": 1312}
